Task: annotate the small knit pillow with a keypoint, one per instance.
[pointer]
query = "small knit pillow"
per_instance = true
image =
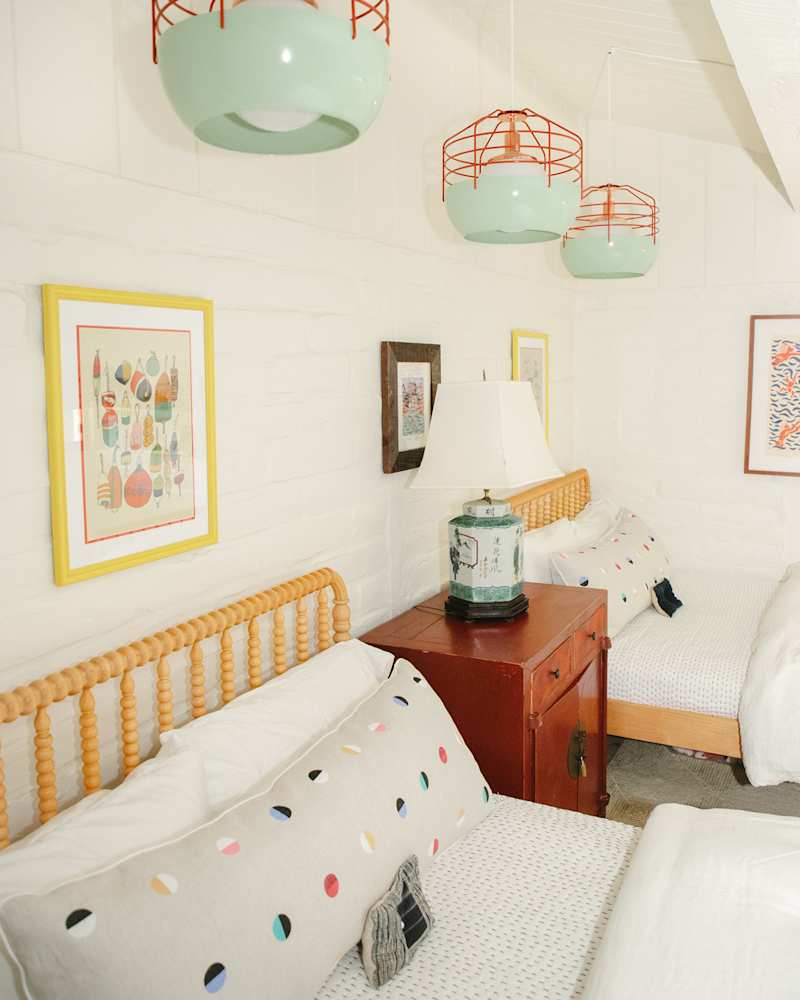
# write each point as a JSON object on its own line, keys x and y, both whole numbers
{"x": 395, "y": 926}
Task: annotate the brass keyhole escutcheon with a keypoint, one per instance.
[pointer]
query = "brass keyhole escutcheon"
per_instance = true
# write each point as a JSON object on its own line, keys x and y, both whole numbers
{"x": 576, "y": 753}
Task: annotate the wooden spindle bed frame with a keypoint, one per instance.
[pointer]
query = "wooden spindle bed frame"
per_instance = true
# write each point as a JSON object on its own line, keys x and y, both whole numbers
{"x": 36, "y": 698}
{"x": 566, "y": 497}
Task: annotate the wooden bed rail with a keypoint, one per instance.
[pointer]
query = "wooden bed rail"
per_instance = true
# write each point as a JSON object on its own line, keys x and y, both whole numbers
{"x": 332, "y": 625}
{"x": 548, "y": 502}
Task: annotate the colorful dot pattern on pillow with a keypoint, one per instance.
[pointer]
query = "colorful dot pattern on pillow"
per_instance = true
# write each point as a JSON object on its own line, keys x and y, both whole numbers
{"x": 627, "y": 562}
{"x": 254, "y": 901}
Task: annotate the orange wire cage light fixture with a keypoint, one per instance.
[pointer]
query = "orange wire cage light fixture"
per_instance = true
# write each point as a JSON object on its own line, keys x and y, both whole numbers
{"x": 615, "y": 233}
{"x": 512, "y": 176}
{"x": 273, "y": 76}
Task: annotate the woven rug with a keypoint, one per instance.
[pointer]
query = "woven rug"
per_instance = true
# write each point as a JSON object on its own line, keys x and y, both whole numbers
{"x": 643, "y": 775}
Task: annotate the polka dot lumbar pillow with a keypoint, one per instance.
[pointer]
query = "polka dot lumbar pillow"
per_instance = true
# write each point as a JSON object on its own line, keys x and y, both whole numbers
{"x": 265, "y": 899}
{"x": 627, "y": 562}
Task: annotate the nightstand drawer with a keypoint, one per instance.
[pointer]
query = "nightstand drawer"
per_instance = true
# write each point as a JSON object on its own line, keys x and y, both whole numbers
{"x": 588, "y": 639}
{"x": 552, "y": 678}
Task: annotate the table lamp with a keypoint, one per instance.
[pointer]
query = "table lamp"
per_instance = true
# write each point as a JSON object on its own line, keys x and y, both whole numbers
{"x": 485, "y": 435}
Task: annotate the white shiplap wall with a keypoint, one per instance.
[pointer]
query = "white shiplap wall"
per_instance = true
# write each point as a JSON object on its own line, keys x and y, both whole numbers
{"x": 311, "y": 262}
{"x": 661, "y": 361}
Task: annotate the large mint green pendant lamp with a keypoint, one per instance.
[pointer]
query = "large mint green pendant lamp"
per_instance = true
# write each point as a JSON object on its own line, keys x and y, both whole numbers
{"x": 615, "y": 234}
{"x": 274, "y": 76}
{"x": 512, "y": 176}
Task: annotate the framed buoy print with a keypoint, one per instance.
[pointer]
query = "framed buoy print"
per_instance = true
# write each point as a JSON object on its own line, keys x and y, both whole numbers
{"x": 772, "y": 434}
{"x": 130, "y": 421}
{"x": 530, "y": 362}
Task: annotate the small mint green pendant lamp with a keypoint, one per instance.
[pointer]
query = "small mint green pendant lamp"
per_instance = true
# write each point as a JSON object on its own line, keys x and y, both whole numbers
{"x": 512, "y": 176}
{"x": 614, "y": 235}
{"x": 273, "y": 76}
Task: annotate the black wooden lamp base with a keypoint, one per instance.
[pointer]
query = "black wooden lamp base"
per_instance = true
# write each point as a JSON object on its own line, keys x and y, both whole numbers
{"x": 476, "y": 611}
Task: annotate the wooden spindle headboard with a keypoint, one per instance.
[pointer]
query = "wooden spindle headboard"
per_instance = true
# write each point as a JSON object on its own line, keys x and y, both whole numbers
{"x": 548, "y": 502}
{"x": 35, "y": 699}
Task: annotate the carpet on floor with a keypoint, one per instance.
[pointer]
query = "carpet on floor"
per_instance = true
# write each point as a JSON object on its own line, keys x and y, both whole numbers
{"x": 643, "y": 775}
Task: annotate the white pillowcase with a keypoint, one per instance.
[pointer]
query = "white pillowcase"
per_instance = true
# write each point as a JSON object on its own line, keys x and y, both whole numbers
{"x": 163, "y": 798}
{"x": 626, "y": 562}
{"x": 592, "y": 523}
{"x": 263, "y": 730}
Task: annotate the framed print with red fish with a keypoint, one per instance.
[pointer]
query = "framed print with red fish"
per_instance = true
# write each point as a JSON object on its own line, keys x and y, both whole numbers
{"x": 130, "y": 418}
{"x": 772, "y": 435}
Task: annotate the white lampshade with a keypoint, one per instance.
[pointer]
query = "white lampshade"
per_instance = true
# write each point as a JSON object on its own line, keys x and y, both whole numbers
{"x": 485, "y": 435}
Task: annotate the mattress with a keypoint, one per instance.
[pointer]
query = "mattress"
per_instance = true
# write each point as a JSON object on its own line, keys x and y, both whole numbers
{"x": 697, "y": 660}
{"x": 519, "y": 905}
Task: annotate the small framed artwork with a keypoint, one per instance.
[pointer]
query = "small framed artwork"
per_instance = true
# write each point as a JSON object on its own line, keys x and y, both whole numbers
{"x": 410, "y": 374}
{"x": 530, "y": 362}
{"x": 772, "y": 435}
{"x": 130, "y": 423}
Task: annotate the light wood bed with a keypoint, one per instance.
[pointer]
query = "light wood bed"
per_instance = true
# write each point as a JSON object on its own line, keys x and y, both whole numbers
{"x": 332, "y": 624}
{"x": 566, "y": 497}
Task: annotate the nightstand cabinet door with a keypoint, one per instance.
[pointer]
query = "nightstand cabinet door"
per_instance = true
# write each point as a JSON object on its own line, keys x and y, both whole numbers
{"x": 553, "y": 737}
{"x": 591, "y": 727}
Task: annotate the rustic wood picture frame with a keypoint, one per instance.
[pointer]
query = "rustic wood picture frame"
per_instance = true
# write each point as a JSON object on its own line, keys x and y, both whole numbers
{"x": 394, "y": 353}
{"x": 749, "y": 464}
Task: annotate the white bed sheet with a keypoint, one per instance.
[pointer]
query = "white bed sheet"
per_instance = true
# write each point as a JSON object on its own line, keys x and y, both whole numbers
{"x": 697, "y": 660}
{"x": 709, "y": 911}
{"x": 520, "y": 905}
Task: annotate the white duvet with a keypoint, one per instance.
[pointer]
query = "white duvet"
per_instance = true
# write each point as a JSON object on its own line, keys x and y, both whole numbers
{"x": 709, "y": 910}
{"x": 769, "y": 711}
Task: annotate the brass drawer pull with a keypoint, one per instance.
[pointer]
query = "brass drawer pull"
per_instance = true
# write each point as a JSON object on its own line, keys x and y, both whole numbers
{"x": 593, "y": 636}
{"x": 556, "y": 673}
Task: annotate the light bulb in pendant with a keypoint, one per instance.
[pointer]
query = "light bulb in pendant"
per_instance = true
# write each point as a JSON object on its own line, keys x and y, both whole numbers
{"x": 267, "y": 120}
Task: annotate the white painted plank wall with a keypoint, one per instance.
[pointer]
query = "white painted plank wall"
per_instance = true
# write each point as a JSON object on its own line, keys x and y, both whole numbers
{"x": 661, "y": 361}
{"x": 311, "y": 262}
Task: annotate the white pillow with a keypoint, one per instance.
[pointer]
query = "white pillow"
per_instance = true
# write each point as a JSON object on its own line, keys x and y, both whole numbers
{"x": 263, "y": 730}
{"x": 163, "y": 798}
{"x": 596, "y": 518}
{"x": 540, "y": 543}
{"x": 626, "y": 562}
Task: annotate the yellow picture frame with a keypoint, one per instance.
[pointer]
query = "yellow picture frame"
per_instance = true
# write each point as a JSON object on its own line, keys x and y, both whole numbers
{"x": 541, "y": 342}
{"x": 53, "y": 299}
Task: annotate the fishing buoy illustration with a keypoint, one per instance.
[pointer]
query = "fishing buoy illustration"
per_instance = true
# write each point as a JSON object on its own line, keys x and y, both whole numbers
{"x": 144, "y": 390}
{"x": 96, "y": 382}
{"x": 152, "y": 367}
{"x": 123, "y": 373}
{"x": 163, "y": 403}
{"x": 125, "y": 458}
{"x": 136, "y": 431}
{"x": 125, "y": 409}
{"x": 173, "y": 381}
{"x": 158, "y": 489}
{"x": 139, "y": 487}
{"x": 155, "y": 458}
{"x": 103, "y": 487}
{"x": 148, "y": 433}
{"x": 137, "y": 376}
{"x": 109, "y": 421}
{"x": 115, "y": 483}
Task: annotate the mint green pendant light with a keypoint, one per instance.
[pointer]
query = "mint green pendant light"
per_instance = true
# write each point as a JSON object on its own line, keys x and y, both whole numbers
{"x": 512, "y": 176}
{"x": 615, "y": 233}
{"x": 274, "y": 76}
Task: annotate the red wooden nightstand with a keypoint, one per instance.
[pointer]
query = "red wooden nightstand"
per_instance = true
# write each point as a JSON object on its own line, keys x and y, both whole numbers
{"x": 529, "y": 696}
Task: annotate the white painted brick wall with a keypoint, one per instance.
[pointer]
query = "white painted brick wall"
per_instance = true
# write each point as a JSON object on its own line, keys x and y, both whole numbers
{"x": 311, "y": 262}
{"x": 661, "y": 361}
